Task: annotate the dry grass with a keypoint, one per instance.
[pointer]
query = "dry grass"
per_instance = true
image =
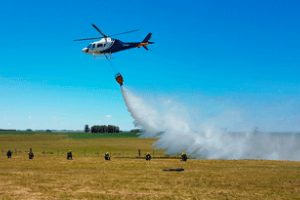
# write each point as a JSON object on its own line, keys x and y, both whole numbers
{"x": 90, "y": 177}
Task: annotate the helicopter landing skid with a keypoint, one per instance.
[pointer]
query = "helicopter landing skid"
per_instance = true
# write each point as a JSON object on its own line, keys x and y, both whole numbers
{"x": 100, "y": 57}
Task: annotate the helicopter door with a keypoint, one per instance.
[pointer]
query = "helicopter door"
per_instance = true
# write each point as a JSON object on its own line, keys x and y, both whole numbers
{"x": 107, "y": 45}
{"x": 99, "y": 47}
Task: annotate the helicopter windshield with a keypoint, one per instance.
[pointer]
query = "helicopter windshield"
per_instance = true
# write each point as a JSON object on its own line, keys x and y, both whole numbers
{"x": 89, "y": 46}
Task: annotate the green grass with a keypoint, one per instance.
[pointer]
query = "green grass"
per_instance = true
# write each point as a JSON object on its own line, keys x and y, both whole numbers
{"x": 75, "y": 135}
{"x": 61, "y": 143}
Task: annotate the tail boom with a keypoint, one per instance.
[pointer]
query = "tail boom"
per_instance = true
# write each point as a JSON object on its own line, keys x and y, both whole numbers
{"x": 145, "y": 42}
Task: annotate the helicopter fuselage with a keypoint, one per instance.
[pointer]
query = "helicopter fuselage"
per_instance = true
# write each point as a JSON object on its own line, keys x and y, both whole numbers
{"x": 108, "y": 46}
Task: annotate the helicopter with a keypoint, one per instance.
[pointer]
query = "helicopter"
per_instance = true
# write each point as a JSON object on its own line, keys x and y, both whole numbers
{"x": 107, "y": 45}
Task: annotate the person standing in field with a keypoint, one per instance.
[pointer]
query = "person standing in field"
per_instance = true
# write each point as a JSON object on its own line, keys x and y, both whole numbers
{"x": 183, "y": 157}
{"x": 69, "y": 155}
{"x": 8, "y": 154}
{"x": 107, "y": 156}
{"x": 30, "y": 154}
{"x": 148, "y": 157}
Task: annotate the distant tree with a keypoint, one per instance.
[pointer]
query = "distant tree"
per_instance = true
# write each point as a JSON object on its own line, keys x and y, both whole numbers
{"x": 135, "y": 130}
{"x": 86, "y": 128}
{"x": 48, "y": 130}
{"x": 105, "y": 129}
{"x": 28, "y": 130}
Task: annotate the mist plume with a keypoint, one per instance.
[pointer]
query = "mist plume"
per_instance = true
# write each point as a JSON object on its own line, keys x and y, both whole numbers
{"x": 177, "y": 132}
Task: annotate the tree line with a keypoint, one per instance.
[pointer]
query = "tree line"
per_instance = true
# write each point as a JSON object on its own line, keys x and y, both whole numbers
{"x": 102, "y": 129}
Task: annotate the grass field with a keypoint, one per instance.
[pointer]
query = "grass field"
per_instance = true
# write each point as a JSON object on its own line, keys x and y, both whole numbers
{"x": 51, "y": 176}
{"x": 75, "y": 135}
{"x": 54, "y": 144}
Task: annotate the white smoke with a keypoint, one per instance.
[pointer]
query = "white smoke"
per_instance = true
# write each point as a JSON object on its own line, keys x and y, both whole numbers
{"x": 177, "y": 132}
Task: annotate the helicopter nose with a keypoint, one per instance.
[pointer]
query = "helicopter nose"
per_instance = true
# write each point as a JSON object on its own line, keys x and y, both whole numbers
{"x": 85, "y": 50}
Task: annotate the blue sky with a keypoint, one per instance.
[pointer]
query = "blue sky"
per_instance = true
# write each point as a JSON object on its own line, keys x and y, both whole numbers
{"x": 242, "y": 52}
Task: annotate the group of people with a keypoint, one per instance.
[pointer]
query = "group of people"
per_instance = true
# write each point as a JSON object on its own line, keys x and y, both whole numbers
{"x": 69, "y": 155}
{"x": 106, "y": 156}
{"x": 30, "y": 154}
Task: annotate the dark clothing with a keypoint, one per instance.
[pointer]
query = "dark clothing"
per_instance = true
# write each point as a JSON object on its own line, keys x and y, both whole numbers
{"x": 8, "y": 154}
{"x": 69, "y": 155}
{"x": 183, "y": 157}
{"x": 148, "y": 157}
{"x": 107, "y": 157}
{"x": 30, "y": 154}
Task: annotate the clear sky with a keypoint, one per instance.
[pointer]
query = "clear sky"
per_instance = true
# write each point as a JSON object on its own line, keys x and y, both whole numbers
{"x": 240, "y": 51}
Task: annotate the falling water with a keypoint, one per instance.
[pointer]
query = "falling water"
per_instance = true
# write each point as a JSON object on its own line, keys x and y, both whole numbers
{"x": 173, "y": 127}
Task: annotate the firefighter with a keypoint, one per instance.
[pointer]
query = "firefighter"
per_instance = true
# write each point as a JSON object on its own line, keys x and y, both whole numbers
{"x": 107, "y": 156}
{"x": 148, "y": 157}
{"x": 30, "y": 154}
{"x": 183, "y": 157}
{"x": 69, "y": 155}
{"x": 8, "y": 154}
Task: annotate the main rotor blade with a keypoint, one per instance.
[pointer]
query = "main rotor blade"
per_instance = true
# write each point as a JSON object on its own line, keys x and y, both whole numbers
{"x": 89, "y": 39}
{"x": 98, "y": 30}
{"x": 123, "y": 33}
{"x": 104, "y": 36}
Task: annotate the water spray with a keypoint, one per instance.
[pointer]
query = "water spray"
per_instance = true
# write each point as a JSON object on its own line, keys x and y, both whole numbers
{"x": 173, "y": 128}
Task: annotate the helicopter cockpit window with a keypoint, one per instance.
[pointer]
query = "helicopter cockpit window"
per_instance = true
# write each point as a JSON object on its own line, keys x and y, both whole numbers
{"x": 99, "y": 45}
{"x": 89, "y": 46}
{"x": 93, "y": 46}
